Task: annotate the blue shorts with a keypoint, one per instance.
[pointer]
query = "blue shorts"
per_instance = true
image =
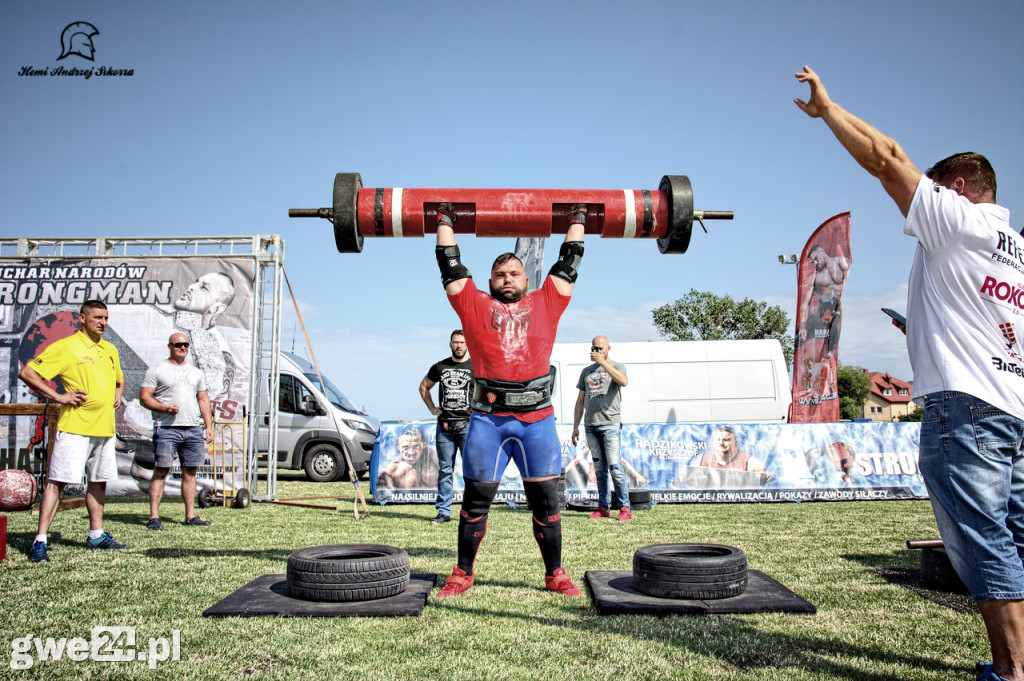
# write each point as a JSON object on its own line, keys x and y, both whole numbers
{"x": 973, "y": 466}
{"x": 494, "y": 440}
{"x": 189, "y": 443}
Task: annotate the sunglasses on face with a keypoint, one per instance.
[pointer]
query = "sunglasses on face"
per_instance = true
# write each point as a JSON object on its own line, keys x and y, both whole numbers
{"x": 179, "y": 345}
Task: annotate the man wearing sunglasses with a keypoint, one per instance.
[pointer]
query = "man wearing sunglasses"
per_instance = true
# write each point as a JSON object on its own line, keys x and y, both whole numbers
{"x": 601, "y": 399}
{"x": 175, "y": 391}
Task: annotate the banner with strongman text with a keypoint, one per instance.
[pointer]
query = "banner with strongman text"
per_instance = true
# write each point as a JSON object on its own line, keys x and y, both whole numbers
{"x": 206, "y": 298}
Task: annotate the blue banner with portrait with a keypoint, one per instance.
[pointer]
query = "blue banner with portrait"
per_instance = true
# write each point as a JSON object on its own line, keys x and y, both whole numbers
{"x": 689, "y": 463}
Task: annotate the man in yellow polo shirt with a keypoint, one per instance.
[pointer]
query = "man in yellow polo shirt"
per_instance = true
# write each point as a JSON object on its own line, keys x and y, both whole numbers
{"x": 90, "y": 369}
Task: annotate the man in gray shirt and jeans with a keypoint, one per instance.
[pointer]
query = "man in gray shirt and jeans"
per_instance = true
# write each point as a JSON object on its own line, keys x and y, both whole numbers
{"x": 175, "y": 391}
{"x": 600, "y": 396}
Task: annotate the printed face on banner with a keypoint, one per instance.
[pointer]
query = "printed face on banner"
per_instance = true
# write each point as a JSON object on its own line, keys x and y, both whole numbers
{"x": 207, "y": 301}
{"x": 677, "y": 463}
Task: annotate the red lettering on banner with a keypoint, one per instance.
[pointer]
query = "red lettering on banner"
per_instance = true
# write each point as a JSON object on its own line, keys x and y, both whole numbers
{"x": 228, "y": 409}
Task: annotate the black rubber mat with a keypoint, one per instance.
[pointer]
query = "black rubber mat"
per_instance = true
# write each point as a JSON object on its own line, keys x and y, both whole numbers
{"x": 613, "y": 594}
{"x": 268, "y": 595}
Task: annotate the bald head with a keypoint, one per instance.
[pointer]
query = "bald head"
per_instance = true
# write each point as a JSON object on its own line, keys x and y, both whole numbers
{"x": 177, "y": 348}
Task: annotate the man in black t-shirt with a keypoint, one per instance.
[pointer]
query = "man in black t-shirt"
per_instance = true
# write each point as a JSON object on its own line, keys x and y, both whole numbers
{"x": 455, "y": 376}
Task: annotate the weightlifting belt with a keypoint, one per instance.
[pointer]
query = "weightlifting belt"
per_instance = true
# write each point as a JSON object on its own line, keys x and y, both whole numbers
{"x": 491, "y": 395}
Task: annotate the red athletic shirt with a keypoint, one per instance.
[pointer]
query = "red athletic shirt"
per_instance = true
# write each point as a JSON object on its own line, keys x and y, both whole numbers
{"x": 511, "y": 341}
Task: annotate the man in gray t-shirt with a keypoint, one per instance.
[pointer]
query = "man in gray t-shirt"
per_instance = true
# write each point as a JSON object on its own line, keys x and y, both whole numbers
{"x": 600, "y": 397}
{"x": 175, "y": 391}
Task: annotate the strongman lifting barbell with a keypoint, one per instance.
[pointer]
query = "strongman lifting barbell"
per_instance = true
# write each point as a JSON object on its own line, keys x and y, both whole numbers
{"x": 666, "y": 214}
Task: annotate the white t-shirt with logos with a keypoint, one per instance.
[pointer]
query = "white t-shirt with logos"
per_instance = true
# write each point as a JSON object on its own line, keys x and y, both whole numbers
{"x": 965, "y": 303}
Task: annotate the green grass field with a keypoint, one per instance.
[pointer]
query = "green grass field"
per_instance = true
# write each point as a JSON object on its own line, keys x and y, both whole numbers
{"x": 847, "y": 558}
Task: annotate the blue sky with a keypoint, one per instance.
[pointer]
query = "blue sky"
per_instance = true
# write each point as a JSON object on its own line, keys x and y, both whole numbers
{"x": 239, "y": 110}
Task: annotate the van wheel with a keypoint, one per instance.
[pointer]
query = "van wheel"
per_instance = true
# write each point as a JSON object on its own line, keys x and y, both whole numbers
{"x": 324, "y": 463}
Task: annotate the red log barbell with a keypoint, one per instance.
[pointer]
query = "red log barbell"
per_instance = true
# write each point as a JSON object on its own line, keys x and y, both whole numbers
{"x": 665, "y": 214}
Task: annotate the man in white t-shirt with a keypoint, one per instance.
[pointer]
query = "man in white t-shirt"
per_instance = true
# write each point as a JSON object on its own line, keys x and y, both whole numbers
{"x": 175, "y": 391}
{"x": 965, "y": 337}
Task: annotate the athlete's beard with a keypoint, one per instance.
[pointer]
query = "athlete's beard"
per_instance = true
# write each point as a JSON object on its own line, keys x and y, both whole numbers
{"x": 509, "y": 296}
{"x": 458, "y": 354}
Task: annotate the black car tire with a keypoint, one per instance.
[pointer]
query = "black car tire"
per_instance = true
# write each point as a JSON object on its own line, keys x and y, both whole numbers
{"x": 639, "y": 500}
{"x": 347, "y": 572}
{"x": 690, "y": 571}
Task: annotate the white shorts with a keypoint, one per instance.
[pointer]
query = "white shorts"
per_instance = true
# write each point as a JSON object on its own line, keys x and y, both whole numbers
{"x": 75, "y": 456}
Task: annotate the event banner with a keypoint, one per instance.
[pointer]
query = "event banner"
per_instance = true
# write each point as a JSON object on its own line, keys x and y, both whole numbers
{"x": 684, "y": 463}
{"x": 824, "y": 266}
{"x": 206, "y": 298}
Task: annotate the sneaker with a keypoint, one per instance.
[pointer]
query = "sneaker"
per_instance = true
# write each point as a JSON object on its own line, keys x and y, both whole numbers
{"x": 559, "y": 582}
{"x": 985, "y": 673}
{"x": 104, "y": 542}
{"x": 601, "y": 512}
{"x": 154, "y": 524}
{"x": 38, "y": 553}
{"x": 456, "y": 584}
{"x": 624, "y": 514}
{"x": 440, "y": 518}
{"x": 196, "y": 520}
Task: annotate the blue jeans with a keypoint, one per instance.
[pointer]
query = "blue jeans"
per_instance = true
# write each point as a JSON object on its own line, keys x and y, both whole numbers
{"x": 604, "y": 449}
{"x": 188, "y": 442}
{"x": 447, "y": 442}
{"x": 973, "y": 465}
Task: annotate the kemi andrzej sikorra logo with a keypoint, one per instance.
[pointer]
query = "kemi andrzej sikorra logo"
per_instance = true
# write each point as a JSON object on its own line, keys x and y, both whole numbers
{"x": 76, "y": 38}
{"x": 77, "y": 46}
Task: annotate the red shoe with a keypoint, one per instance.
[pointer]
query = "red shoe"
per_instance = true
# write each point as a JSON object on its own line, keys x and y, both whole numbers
{"x": 456, "y": 584}
{"x": 560, "y": 583}
{"x": 624, "y": 514}
{"x": 601, "y": 512}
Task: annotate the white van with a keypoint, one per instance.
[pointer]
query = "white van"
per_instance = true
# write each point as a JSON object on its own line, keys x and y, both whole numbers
{"x": 731, "y": 381}
{"x": 307, "y": 437}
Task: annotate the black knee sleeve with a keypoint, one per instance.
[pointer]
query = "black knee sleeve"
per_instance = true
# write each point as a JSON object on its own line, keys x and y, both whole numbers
{"x": 477, "y": 497}
{"x": 543, "y": 498}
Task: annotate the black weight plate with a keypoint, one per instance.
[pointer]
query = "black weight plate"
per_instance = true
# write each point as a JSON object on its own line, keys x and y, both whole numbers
{"x": 346, "y": 228}
{"x": 680, "y": 213}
